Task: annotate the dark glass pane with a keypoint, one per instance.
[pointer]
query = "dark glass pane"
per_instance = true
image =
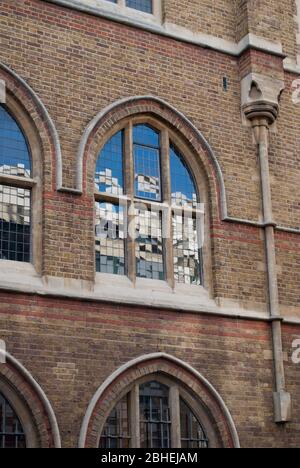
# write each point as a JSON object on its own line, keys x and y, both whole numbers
{"x": 192, "y": 432}
{"x": 116, "y": 430}
{"x": 149, "y": 244}
{"x": 11, "y": 431}
{"x": 15, "y": 213}
{"x": 183, "y": 188}
{"x": 110, "y": 239}
{"x": 14, "y": 154}
{"x": 142, "y": 5}
{"x": 147, "y": 180}
{"x": 187, "y": 255}
{"x": 109, "y": 167}
{"x": 154, "y": 415}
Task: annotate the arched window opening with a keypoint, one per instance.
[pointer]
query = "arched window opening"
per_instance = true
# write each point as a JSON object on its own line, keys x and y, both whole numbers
{"x": 116, "y": 432}
{"x": 155, "y": 419}
{"x": 144, "y": 186}
{"x": 15, "y": 191}
{"x": 11, "y": 431}
{"x": 192, "y": 432}
{"x": 157, "y": 415}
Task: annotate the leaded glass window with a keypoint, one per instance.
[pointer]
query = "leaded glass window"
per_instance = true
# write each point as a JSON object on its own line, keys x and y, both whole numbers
{"x": 192, "y": 432}
{"x": 116, "y": 433}
{"x": 155, "y": 416}
{"x": 141, "y": 169}
{"x": 142, "y": 5}
{"x": 146, "y": 163}
{"x": 146, "y": 6}
{"x": 149, "y": 245}
{"x": 148, "y": 417}
{"x": 110, "y": 238}
{"x": 11, "y": 431}
{"x": 15, "y": 191}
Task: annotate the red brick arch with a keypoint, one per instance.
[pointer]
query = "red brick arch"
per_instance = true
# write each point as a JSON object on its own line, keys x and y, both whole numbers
{"x": 159, "y": 363}
{"x": 19, "y": 385}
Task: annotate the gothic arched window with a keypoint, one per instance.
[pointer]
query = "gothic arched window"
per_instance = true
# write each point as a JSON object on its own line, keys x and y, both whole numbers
{"x": 148, "y": 215}
{"x": 11, "y": 430}
{"x": 15, "y": 191}
{"x": 154, "y": 414}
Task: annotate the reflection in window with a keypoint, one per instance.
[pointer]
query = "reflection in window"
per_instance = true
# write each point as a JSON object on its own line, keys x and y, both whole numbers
{"x": 14, "y": 154}
{"x": 14, "y": 224}
{"x": 182, "y": 185}
{"x": 15, "y": 201}
{"x": 192, "y": 433}
{"x": 116, "y": 430}
{"x": 110, "y": 238}
{"x": 187, "y": 255}
{"x": 11, "y": 431}
{"x": 146, "y": 179}
{"x": 155, "y": 416}
{"x": 142, "y": 5}
{"x": 109, "y": 168}
{"x": 149, "y": 244}
{"x": 146, "y": 163}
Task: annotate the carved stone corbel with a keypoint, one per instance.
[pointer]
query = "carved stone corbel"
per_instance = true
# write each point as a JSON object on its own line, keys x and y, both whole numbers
{"x": 260, "y": 97}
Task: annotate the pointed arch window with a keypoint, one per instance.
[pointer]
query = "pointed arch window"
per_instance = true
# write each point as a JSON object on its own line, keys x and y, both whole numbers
{"x": 148, "y": 212}
{"x": 11, "y": 431}
{"x": 16, "y": 184}
{"x": 154, "y": 415}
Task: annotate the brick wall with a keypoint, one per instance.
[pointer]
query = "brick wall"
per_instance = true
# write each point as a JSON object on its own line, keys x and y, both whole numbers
{"x": 78, "y": 64}
{"x": 72, "y": 347}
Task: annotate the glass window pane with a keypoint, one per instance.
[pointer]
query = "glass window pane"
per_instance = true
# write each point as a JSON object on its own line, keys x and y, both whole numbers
{"x": 109, "y": 167}
{"x": 147, "y": 180}
{"x": 110, "y": 238}
{"x": 116, "y": 432}
{"x": 192, "y": 432}
{"x": 14, "y": 152}
{"x": 142, "y": 5}
{"x": 11, "y": 431}
{"x": 183, "y": 188}
{"x": 155, "y": 420}
{"x": 187, "y": 255}
{"x": 15, "y": 213}
{"x": 149, "y": 244}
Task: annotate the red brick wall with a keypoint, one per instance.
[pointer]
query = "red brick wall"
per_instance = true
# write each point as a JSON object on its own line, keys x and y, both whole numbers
{"x": 71, "y": 347}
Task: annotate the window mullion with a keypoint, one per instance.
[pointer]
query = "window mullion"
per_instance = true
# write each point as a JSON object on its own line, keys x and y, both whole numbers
{"x": 129, "y": 183}
{"x": 175, "y": 417}
{"x": 167, "y": 214}
{"x": 135, "y": 417}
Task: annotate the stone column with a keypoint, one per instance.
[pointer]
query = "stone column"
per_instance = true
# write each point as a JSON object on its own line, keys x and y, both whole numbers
{"x": 260, "y": 106}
